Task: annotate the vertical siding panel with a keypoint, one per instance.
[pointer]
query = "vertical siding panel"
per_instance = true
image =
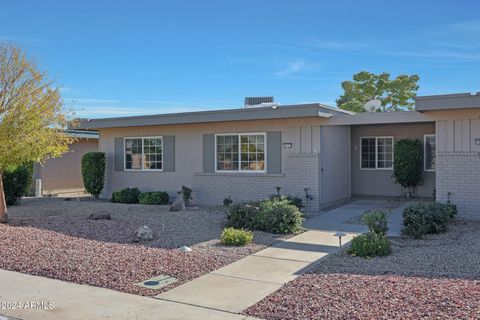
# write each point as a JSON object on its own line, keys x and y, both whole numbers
{"x": 306, "y": 139}
{"x": 475, "y": 134}
{"x": 466, "y": 136}
{"x": 450, "y": 135}
{"x": 316, "y": 139}
{"x": 457, "y": 135}
{"x": 297, "y": 140}
{"x": 441, "y": 134}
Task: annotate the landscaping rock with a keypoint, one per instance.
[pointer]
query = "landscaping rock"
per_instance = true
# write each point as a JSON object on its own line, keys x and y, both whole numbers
{"x": 144, "y": 233}
{"x": 100, "y": 216}
{"x": 184, "y": 249}
{"x": 178, "y": 205}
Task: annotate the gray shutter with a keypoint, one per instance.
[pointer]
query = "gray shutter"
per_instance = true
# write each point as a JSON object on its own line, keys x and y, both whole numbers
{"x": 208, "y": 153}
{"x": 119, "y": 154}
{"x": 169, "y": 153}
{"x": 274, "y": 152}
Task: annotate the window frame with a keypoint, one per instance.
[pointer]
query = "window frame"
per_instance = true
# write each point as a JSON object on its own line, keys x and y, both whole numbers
{"x": 376, "y": 152}
{"x": 143, "y": 153}
{"x": 240, "y": 152}
{"x": 425, "y": 151}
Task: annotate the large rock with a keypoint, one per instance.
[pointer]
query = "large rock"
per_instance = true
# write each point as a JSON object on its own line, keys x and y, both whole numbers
{"x": 178, "y": 204}
{"x": 143, "y": 233}
{"x": 102, "y": 215}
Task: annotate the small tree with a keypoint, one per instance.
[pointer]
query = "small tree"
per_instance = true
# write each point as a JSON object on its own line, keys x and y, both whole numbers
{"x": 407, "y": 159}
{"x": 32, "y": 117}
{"x": 93, "y": 172}
{"x": 395, "y": 94}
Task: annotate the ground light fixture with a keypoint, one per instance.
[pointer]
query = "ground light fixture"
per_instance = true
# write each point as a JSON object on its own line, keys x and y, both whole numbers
{"x": 340, "y": 235}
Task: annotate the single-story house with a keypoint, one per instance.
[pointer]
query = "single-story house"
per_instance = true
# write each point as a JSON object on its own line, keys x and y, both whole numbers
{"x": 330, "y": 154}
{"x": 64, "y": 174}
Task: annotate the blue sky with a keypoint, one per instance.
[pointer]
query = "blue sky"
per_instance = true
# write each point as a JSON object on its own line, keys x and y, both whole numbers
{"x": 117, "y": 58}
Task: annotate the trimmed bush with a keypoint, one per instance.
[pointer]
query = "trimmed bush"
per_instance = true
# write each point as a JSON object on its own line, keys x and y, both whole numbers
{"x": 408, "y": 160}
{"x": 153, "y": 198}
{"x": 236, "y": 237}
{"x": 93, "y": 172}
{"x": 369, "y": 245}
{"x": 279, "y": 216}
{"x": 296, "y": 201}
{"x": 17, "y": 182}
{"x": 422, "y": 218}
{"x": 243, "y": 215}
{"x": 271, "y": 215}
{"x": 127, "y": 195}
{"x": 376, "y": 222}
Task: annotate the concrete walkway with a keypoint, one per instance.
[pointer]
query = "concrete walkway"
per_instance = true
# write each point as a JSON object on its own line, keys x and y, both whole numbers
{"x": 241, "y": 284}
{"x": 79, "y": 302}
{"x": 222, "y": 294}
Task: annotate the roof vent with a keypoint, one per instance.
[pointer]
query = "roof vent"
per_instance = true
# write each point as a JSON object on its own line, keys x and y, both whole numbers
{"x": 256, "y": 102}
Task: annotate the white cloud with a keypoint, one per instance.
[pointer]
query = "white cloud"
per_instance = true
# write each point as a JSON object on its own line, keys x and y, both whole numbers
{"x": 337, "y": 45}
{"x": 291, "y": 68}
{"x": 8, "y": 38}
{"x": 90, "y": 101}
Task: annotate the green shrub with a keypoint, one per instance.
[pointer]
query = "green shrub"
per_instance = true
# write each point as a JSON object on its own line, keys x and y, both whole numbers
{"x": 17, "y": 182}
{"x": 186, "y": 194}
{"x": 153, "y": 198}
{"x": 127, "y": 195}
{"x": 93, "y": 172}
{"x": 243, "y": 215}
{"x": 376, "y": 222}
{"x": 296, "y": 201}
{"x": 422, "y": 218}
{"x": 408, "y": 160}
{"x": 369, "y": 245}
{"x": 271, "y": 215}
{"x": 279, "y": 216}
{"x": 236, "y": 237}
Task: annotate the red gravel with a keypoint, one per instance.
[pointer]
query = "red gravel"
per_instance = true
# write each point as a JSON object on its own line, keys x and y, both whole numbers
{"x": 349, "y": 296}
{"x": 110, "y": 265}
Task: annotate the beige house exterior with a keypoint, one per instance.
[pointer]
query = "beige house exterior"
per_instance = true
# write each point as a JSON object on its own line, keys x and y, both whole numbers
{"x": 63, "y": 175}
{"x": 311, "y": 149}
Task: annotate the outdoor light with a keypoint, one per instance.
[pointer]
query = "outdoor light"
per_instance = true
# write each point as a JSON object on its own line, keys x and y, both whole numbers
{"x": 477, "y": 141}
{"x": 340, "y": 235}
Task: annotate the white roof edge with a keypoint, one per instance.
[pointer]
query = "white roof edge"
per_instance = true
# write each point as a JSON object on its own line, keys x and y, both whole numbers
{"x": 379, "y": 118}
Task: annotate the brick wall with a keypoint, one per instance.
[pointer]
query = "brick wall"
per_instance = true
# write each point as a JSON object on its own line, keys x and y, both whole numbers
{"x": 301, "y": 170}
{"x": 459, "y": 174}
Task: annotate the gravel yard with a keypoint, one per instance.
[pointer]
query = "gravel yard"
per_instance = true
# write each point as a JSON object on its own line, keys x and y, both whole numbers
{"x": 434, "y": 278}
{"x": 53, "y": 238}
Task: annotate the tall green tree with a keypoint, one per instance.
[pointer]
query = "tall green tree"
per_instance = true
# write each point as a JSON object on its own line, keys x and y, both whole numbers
{"x": 32, "y": 116}
{"x": 395, "y": 94}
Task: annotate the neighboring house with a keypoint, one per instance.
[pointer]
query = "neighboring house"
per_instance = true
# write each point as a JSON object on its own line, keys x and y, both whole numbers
{"x": 333, "y": 154}
{"x": 63, "y": 174}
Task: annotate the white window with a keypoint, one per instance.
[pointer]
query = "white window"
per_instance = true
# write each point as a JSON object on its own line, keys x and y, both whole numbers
{"x": 143, "y": 153}
{"x": 376, "y": 153}
{"x": 240, "y": 152}
{"x": 429, "y": 152}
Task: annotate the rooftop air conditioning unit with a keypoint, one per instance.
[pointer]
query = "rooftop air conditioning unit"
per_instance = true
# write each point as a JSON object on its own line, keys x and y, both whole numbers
{"x": 260, "y": 102}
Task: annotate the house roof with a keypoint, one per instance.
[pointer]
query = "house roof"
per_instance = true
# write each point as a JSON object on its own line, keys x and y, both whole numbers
{"x": 448, "y": 101}
{"x": 260, "y": 113}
